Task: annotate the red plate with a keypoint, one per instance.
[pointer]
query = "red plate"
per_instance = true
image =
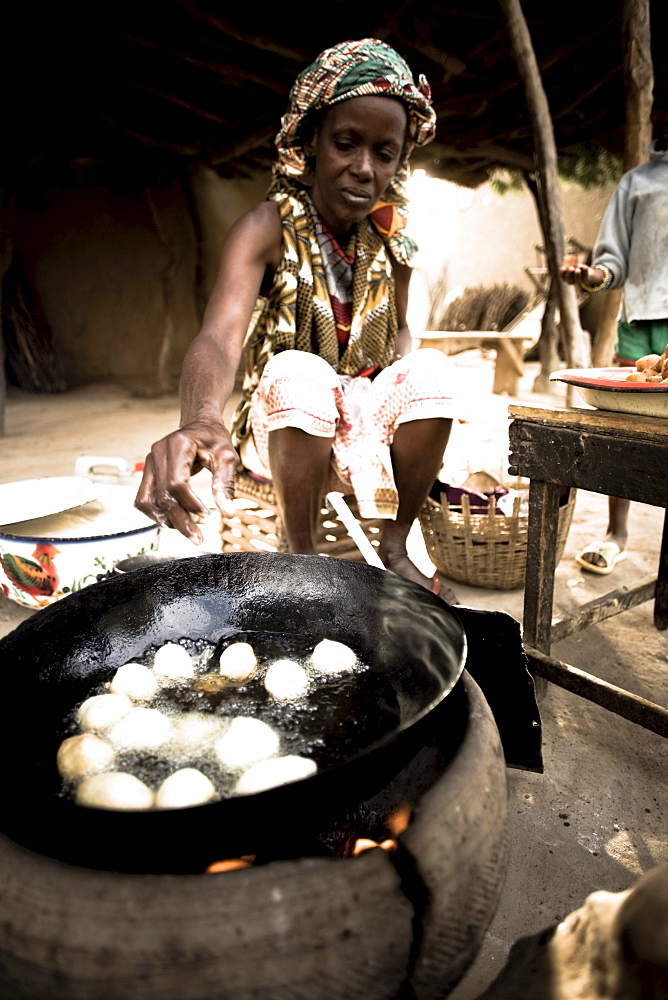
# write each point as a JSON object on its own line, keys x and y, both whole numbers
{"x": 609, "y": 379}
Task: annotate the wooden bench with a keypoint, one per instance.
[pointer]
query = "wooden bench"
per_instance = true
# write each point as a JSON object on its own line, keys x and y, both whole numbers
{"x": 508, "y": 344}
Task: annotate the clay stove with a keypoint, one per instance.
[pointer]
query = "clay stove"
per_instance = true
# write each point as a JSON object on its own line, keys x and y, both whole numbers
{"x": 378, "y": 926}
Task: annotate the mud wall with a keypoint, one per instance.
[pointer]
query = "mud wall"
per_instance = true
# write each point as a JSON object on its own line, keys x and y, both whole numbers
{"x": 122, "y": 275}
{"x": 219, "y": 204}
{"x": 114, "y": 276}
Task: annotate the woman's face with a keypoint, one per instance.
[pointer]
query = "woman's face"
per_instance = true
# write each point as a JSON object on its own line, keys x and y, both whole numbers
{"x": 357, "y": 147}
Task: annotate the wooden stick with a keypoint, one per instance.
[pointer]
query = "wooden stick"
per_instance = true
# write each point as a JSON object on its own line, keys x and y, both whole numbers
{"x": 186, "y": 105}
{"x": 355, "y": 530}
{"x": 226, "y": 71}
{"x": 546, "y": 162}
{"x": 638, "y": 84}
{"x": 615, "y": 699}
{"x": 254, "y": 40}
{"x": 602, "y": 608}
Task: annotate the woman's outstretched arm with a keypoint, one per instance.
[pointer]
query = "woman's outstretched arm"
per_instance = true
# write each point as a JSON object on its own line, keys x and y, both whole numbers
{"x": 249, "y": 258}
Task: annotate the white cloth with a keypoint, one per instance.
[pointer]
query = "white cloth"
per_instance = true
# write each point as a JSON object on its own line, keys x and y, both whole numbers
{"x": 361, "y": 416}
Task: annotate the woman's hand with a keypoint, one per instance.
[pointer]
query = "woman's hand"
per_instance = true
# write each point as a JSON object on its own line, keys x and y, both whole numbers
{"x": 165, "y": 494}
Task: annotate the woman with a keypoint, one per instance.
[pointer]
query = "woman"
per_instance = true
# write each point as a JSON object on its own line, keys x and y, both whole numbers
{"x": 329, "y": 400}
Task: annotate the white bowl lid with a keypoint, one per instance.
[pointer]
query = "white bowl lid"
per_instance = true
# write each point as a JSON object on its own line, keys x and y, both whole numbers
{"x": 31, "y": 498}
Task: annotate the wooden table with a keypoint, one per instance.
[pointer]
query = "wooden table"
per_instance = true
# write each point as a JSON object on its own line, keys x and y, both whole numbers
{"x": 508, "y": 344}
{"x": 616, "y": 454}
{"x": 509, "y": 363}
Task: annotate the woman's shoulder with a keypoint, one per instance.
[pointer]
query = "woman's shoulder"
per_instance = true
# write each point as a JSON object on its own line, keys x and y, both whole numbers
{"x": 257, "y": 235}
{"x": 263, "y": 222}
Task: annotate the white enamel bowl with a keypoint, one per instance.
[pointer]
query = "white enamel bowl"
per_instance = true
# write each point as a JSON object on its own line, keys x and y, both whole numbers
{"x": 606, "y": 389}
{"x": 45, "y": 558}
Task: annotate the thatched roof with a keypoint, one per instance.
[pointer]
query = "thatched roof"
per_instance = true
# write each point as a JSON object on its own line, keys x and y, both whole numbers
{"x": 182, "y": 81}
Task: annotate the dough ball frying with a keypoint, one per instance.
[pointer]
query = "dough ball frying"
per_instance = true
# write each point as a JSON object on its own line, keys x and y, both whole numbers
{"x": 333, "y": 657}
{"x": 286, "y": 680}
{"x": 114, "y": 790}
{"x": 246, "y": 742}
{"x": 187, "y": 787}
{"x": 271, "y": 773}
{"x": 238, "y": 661}
{"x": 636, "y": 377}
{"x": 195, "y": 733}
{"x": 141, "y": 729}
{"x": 80, "y": 756}
{"x": 103, "y": 711}
{"x": 137, "y": 682}
{"x": 173, "y": 661}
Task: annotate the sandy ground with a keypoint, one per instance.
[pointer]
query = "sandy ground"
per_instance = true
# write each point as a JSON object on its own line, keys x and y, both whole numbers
{"x": 597, "y": 817}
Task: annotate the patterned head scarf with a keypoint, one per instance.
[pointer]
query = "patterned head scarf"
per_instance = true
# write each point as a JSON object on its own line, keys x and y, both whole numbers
{"x": 361, "y": 69}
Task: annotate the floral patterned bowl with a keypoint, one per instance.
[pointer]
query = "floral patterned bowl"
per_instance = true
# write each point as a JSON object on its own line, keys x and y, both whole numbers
{"x": 46, "y": 558}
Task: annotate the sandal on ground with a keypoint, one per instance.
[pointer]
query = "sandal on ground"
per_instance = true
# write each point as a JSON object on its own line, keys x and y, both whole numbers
{"x": 610, "y": 552}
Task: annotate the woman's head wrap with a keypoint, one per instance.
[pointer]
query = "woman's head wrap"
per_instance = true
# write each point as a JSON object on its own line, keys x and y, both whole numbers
{"x": 361, "y": 69}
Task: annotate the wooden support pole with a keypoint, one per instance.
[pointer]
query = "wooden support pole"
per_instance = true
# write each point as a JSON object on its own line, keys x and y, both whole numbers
{"x": 638, "y": 87}
{"x": 577, "y": 346}
{"x": 548, "y": 342}
{"x": 638, "y": 82}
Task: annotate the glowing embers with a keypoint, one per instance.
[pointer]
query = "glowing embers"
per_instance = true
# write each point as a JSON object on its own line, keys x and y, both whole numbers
{"x": 396, "y": 824}
{"x": 348, "y": 838}
{"x": 230, "y": 865}
{"x": 365, "y": 844}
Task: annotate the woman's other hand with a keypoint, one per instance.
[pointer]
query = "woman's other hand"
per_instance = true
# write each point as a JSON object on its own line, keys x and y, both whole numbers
{"x": 165, "y": 494}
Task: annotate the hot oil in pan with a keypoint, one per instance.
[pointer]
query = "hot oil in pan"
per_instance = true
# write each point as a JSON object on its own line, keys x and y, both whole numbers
{"x": 339, "y": 715}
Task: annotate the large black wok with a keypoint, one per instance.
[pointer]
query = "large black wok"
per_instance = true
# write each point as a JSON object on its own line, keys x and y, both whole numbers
{"x": 414, "y": 644}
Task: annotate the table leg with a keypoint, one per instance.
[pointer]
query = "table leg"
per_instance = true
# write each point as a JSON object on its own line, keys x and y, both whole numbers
{"x": 508, "y": 367}
{"x": 541, "y": 564}
{"x": 661, "y": 599}
{"x": 539, "y": 576}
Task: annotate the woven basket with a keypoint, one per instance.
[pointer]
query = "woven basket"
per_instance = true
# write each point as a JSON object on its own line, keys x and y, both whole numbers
{"x": 257, "y": 526}
{"x": 484, "y": 550}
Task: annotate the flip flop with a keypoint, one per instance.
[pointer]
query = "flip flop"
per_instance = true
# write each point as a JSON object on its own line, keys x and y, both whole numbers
{"x": 610, "y": 552}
